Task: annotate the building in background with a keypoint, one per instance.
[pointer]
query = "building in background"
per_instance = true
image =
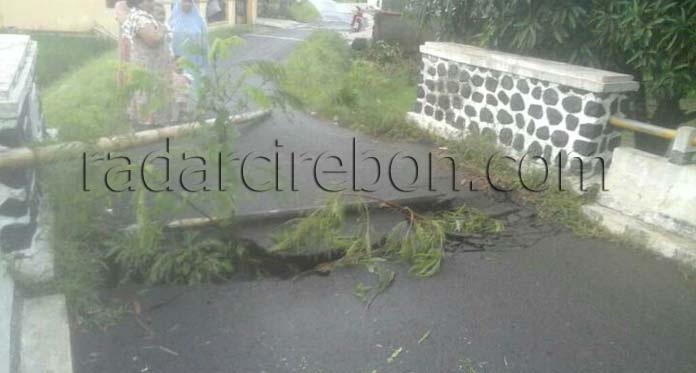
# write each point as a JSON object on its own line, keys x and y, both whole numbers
{"x": 91, "y": 15}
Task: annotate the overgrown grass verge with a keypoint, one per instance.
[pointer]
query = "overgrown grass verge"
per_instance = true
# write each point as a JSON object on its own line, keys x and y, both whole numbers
{"x": 369, "y": 91}
{"x": 224, "y": 32}
{"x": 300, "y": 11}
{"x": 303, "y": 11}
{"x": 59, "y": 54}
{"x": 103, "y": 238}
{"x": 555, "y": 202}
{"x": 87, "y": 103}
{"x": 372, "y": 91}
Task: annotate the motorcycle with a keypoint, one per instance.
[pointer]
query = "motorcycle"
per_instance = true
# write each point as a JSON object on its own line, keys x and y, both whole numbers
{"x": 359, "y": 22}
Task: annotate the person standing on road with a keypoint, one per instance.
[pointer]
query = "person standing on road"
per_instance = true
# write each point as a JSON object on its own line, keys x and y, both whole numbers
{"x": 149, "y": 50}
{"x": 190, "y": 33}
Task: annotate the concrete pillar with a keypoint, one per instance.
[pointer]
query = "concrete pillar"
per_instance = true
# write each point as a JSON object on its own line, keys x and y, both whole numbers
{"x": 683, "y": 150}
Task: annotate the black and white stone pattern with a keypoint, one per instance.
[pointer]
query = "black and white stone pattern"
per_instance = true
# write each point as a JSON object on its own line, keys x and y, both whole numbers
{"x": 526, "y": 116}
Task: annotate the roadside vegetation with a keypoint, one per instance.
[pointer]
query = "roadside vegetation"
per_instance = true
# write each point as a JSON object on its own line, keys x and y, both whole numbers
{"x": 86, "y": 103}
{"x": 300, "y": 11}
{"x": 224, "y": 32}
{"x": 369, "y": 91}
{"x": 372, "y": 90}
{"x": 59, "y": 54}
{"x": 102, "y": 238}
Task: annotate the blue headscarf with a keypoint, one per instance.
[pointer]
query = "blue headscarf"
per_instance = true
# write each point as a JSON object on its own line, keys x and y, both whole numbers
{"x": 190, "y": 34}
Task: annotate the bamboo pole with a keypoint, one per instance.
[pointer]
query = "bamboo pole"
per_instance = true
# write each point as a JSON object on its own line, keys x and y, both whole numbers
{"x": 26, "y": 157}
{"x": 650, "y": 129}
{"x": 291, "y": 213}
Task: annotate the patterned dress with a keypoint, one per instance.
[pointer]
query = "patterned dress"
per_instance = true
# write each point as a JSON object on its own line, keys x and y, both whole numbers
{"x": 156, "y": 105}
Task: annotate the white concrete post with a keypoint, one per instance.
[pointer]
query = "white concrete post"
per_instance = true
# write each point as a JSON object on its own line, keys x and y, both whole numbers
{"x": 683, "y": 150}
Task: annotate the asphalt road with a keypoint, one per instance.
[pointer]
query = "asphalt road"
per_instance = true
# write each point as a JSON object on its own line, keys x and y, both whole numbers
{"x": 537, "y": 300}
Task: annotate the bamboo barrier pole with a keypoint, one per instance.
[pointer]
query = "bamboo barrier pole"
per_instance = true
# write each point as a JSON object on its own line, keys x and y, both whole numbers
{"x": 27, "y": 157}
{"x": 650, "y": 129}
{"x": 291, "y": 213}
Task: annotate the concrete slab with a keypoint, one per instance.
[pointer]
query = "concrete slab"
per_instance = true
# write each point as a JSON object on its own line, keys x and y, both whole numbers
{"x": 45, "y": 346}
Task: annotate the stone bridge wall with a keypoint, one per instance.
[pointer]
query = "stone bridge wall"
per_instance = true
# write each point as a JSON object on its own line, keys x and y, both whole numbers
{"x": 528, "y": 105}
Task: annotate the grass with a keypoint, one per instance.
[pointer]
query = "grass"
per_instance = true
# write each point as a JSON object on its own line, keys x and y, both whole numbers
{"x": 303, "y": 11}
{"x": 86, "y": 103}
{"x": 300, "y": 11}
{"x": 358, "y": 92}
{"x": 372, "y": 92}
{"x": 553, "y": 205}
{"x": 224, "y": 32}
{"x": 418, "y": 241}
{"x": 92, "y": 246}
{"x": 80, "y": 98}
{"x": 59, "y": 54}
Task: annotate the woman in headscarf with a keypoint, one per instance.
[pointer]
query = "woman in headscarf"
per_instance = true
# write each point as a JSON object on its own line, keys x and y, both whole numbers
{"x": 190, "y": 33}
{"x": 149, "y": 50}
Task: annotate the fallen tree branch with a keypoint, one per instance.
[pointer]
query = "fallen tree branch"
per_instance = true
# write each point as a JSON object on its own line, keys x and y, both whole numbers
{"x": 26, "y": 157}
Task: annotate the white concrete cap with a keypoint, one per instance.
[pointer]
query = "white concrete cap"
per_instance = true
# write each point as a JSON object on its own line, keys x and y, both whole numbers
{"x": 13, "y": 54}
{"x": 17, "y": 57}
{"x": 593, "y": 80}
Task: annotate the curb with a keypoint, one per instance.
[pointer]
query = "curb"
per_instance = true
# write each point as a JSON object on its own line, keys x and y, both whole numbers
{"x": 655, "y": 239}
{"x": 44, "y": 324}
{"x": 7, "y": 306}
{"x": 38, "y": 339}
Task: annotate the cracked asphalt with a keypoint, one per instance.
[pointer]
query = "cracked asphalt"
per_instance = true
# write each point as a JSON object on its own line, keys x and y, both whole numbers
{"x": 538, "y": 299}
